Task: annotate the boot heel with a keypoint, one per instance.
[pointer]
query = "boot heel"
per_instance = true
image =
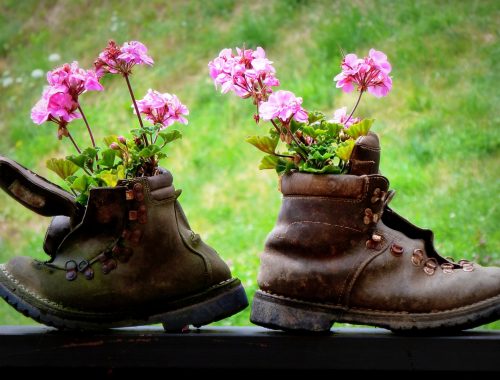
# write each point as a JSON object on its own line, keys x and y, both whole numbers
{"x": 211, "y": 309}
{"x": 286, "y": 314}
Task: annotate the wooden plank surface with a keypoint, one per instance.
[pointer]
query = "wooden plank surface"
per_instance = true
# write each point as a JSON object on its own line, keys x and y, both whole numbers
{"x": 247, "y": 348}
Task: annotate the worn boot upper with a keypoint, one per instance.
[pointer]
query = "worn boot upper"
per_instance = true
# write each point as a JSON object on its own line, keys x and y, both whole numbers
{"x": 336, "y": 242}
{"x": 132, "y": 249}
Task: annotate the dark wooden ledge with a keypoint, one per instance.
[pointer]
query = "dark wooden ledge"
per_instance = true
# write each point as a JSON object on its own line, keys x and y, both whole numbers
{"x": 247, "y": 348}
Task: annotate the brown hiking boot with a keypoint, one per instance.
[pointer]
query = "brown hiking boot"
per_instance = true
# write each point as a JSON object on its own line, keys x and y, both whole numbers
{"x": 128, "y": 258}
{"x": 338, "y": 253}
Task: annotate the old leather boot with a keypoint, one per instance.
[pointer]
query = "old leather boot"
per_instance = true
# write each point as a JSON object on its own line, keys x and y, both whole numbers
{"x": 128, "y": 258}
{"x": 338, "y": 253}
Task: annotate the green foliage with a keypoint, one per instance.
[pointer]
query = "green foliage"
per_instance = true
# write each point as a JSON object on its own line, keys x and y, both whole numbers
{"x": 63, "y": 168}
{"x": 320, "y": 146}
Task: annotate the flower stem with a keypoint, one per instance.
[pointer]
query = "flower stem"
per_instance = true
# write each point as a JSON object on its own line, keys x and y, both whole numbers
{"x": 136, "y": 108}
{"x": 90, "y": 131}
{"x": 74, "y": 142}
{"x": 355, "y": 106}
{"x": 301, "y": 154}
{"x": 87, "y": 124}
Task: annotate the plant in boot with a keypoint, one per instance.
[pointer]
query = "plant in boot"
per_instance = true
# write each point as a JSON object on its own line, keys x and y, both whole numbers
{"x": 298, "y": 140}
{"x": 121, "y": 250}
{"x": 338, "y": 252}
{"x": 121, "y": 158}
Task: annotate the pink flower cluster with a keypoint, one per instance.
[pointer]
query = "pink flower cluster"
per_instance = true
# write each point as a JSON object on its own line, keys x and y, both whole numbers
{"x": 248, "y": 73}
{"x": 283, "y": 105}
{"x": 368, "y": 74}
{"x": 164, "y": 109}
{"x": 114, "y": 59}
{"x": 59, "y": 102}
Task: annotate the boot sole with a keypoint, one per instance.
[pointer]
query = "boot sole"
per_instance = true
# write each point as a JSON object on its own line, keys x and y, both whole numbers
{"x": 216, "y": 303}
{"x": 281, "y": 313}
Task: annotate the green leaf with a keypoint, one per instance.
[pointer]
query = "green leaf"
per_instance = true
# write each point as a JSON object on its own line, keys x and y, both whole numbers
{"x": 150, "y": 129}
{"x": 108, "y": 177}
{"x": 82, "y": 198}
{"x": 284, "y": 166}
{"x": 170, "y": 136}
{"x": 81, "y": 184}
{"x": 333, "y": 128}
{"x": 360, "y": 129}
{"x": 263, "y": 143}
{"x": 107, "y": 158}
{"x": 160, "y": 155}
{"x": 108, "y": 140}
{"x": 344, "y": 150}
{"x": 149, "y": 151}
{"x": 268, "y": 162}
{"x": 78, "y": 160}
{"x": 328, "y": 169}
{"x": 136, "y": 132}
{"x": 315, "y": 116}
{"x": 62, "y": 167}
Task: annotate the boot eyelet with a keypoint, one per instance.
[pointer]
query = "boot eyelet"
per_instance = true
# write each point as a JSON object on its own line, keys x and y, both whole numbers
{"x": 108, "y": 265}
{"x": 447, "y": 268}
{"x": 132, "y": 215}
{"x": 139, "y": 192}
{"x": 397, "y": 250}
{"x": 430, "y": 266}
{"x": 71, "y": 268}
{"x": 417, "y": 257}
{"x": 129, "y": 195}
{"x": 468, "y": 267}
{"x": 378, "y": 195}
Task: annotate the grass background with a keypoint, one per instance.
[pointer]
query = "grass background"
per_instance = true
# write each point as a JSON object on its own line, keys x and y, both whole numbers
{"x": 439, "y": 127}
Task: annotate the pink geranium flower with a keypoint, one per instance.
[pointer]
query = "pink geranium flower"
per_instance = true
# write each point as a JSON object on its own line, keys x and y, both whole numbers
{"x": 135, "y": 52}
{"x": 114, "y": 59}
{"x": 164, "y": 109}
{"x": 74, "y": 79}
{"x": 283, "y": 105}
{"x": 369, "y": 74}
{"x": 340, "y": 116}
{"x": 248, "y": 73}
{"x": 58, "y": 106}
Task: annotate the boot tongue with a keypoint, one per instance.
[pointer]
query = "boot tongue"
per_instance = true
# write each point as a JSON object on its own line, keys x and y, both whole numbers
{"x": 365, "y": 156}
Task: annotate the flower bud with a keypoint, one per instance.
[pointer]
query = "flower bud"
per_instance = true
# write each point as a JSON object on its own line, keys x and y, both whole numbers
{"x": 122, "y": 139}
{"x": 114, "y": 146}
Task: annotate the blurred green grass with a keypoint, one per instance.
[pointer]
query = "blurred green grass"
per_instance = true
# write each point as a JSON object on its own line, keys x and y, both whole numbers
{"x": 439, "y": 126}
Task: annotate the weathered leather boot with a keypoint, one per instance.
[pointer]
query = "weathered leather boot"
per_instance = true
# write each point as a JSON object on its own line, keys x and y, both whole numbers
{"x": 338, "y": 253}
{"x": 128, "y": 258}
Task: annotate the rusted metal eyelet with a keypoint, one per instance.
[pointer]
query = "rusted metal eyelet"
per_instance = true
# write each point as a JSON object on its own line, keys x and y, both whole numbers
{"x": 397, "y": 250}
{"x": 374, "y": 242}
{"x": 139, "y": 192}
{"x": 468, "y": 267}
{"x": 132, "y": 215}
{"x": 108, "y": 265}
{"x": 129, "y": 195}
{"x": 71, "y": 270}
{"x": 195, "y": 238}
{"x": 142, "y": 214}
{"x": 430, "y": 266}
{"x": 447, "y": 268}
{"x": 417, "y": 257}
{"x": 370, "y": 216}
{"x": 378, "y": 195}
